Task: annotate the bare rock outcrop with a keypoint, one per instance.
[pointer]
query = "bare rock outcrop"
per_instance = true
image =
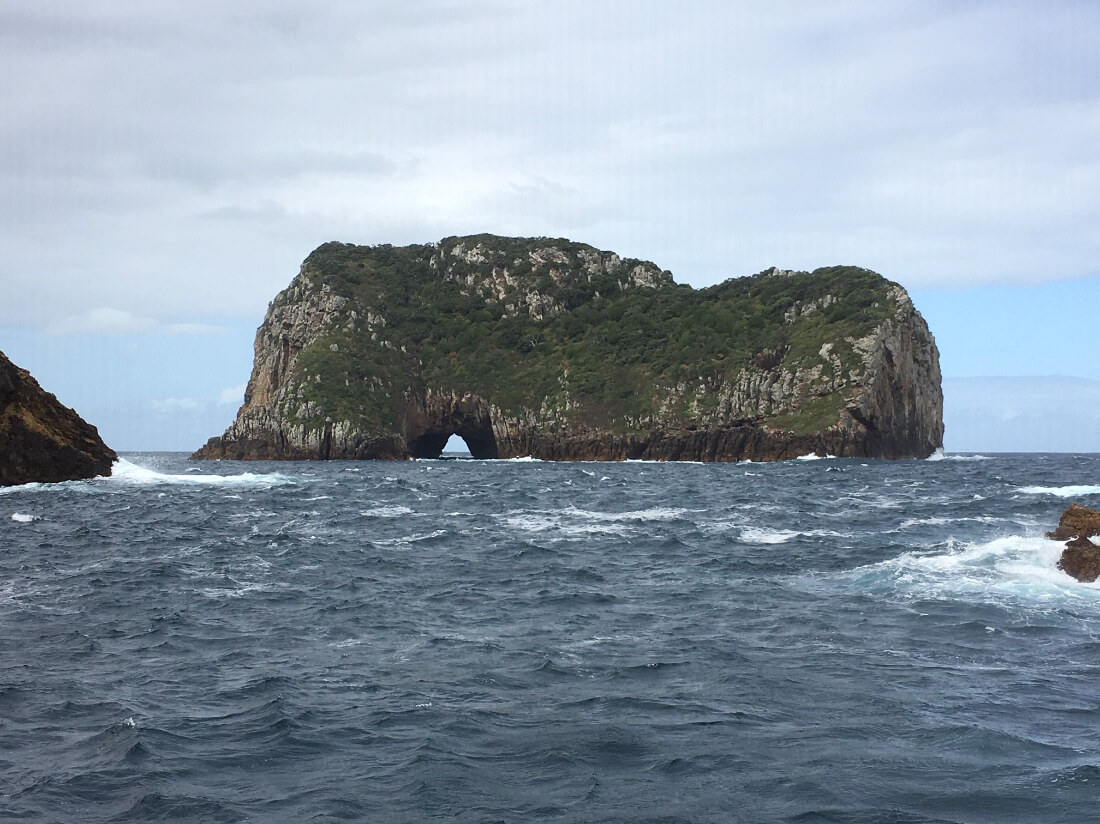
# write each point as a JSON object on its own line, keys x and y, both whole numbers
{"x": 41, "y": 440}
{"x": 1081, "y": 557}
{"x": 556, "y": 350}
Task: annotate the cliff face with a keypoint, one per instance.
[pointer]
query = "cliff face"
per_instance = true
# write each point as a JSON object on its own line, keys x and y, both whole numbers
{"x": 553, "y": 349}
{"x": 40, "y": 439}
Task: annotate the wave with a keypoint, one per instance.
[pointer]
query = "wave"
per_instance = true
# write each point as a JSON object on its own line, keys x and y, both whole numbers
{"x": 129, "y": 473}
{"x": 23, "y": 518}
{"x": 1015, "y": 568}
{"x": 810, "y": 456}
{"x": 761, "y": 535}
{"x": 940, "y": 455}
{"x": 575, "y": 522}
{"x": 396, "y": 511}
{"x": 936, "y": 520}
{"x": 1071, "y": 491}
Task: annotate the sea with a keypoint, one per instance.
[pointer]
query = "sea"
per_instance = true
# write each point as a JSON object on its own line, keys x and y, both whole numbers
{"x": 827, "y": 640}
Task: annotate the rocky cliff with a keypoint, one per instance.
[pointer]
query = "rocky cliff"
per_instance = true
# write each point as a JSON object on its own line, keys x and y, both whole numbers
{"x": 40, "y": 439}
{"x": 556, "y": 350}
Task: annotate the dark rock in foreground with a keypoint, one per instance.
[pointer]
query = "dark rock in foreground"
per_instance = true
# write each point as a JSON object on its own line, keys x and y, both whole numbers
{"x": 556, "y": 350}
{"x": 41, "y": 440}
{"x": 1081, "y": 557}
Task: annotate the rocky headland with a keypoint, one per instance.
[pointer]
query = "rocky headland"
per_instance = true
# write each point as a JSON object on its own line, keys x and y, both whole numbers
{"x": 1081, "y": 557}
{"x": 556, "y": 350}
{"x": 41, "y": 440}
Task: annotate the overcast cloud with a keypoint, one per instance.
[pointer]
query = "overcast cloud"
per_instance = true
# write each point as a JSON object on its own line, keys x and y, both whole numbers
{"x": 164, "y": 167}
{"x": 168, "y": 159}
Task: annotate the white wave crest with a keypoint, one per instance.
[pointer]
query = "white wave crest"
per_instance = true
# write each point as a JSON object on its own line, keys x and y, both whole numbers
{"x": 658, "y": 513}
{"x": 810, "y": 456}
{"x": 756, "y": 535}
{"x": 555, "y": 523}
{"x": 761, "y": 535}
{"x": 386, "y": 512}
{"x": 573, "y": 522}
{"x": 1015, "y": 568}
{"x": 935, "y": 520}
{"x": 129, "y": 473}
{"x": 1072, "y": 491}
{"x": 23, "y": 518}
{"x": 410, "y": 539}
{"x": 940, "y": 455}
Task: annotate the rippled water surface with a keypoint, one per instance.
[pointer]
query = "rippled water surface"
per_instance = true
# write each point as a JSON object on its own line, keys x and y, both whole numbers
{"x": 827, "y": 640}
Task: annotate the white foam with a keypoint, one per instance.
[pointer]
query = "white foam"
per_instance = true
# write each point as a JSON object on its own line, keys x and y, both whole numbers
{"x": 572, "y": 522}
{"x": 386, "y": 512}
{"x": 129, "y": 473}
{"x": 810, "y": 456}
{"x": 755, "y": 535}
{"x": 940, "y": 455}
{"x": 935, "y": 520}
{"x": 1071, "y": 491}
{"x": 555, "y": 523}
{"x": 410, "y": 539}
{"x": 23, "y": 518}
{"x": 1015, "y": 567}
{"x": 658, "y": 513}
{"x": 760, "y": 535}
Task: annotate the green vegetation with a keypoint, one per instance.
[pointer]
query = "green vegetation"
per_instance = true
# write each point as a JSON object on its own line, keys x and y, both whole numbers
{"x": 461, "y": 322}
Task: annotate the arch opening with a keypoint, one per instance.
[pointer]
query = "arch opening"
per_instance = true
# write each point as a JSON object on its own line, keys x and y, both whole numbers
{"x": 432, "y": 422}
{"x": 431, "y": 444}
{"x": 456, "y": 445}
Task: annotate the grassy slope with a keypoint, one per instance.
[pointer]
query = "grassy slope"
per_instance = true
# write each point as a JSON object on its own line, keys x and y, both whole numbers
{"x": 621, "y": 350}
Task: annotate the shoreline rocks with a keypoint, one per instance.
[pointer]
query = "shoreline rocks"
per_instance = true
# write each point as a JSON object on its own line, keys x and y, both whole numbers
{"x": 41, "y": 439}
{"x": 1081, "y": 557}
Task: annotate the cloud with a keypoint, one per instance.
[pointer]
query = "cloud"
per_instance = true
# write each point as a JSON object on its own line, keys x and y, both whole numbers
{"x": 166, "y": 158}
{"x": 172, "y": 405}
{"x": 1021, "y": 414}
{"x": 232, "y": 395}
{"x": 105, "y": 320}
{"x": 108, "y": 321}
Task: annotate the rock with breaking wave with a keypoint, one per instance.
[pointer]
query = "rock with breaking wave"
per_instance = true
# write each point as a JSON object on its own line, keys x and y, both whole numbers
{"x": 556, "y": 350}
{"x": 1081, "y": 557}
{"x": 41, "y": 440}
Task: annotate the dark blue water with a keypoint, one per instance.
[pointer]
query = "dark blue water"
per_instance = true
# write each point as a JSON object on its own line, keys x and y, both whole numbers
{"x": 812, "y": 641}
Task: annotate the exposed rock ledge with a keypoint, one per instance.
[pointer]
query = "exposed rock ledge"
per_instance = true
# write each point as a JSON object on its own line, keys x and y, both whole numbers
{"x": 556, "y": 350}
{"x": 1081, "y": 557}
{"x": 42, "y": 440}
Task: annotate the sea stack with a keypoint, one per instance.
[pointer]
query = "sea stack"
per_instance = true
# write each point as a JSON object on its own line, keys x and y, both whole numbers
{"x": 1081, "y": 557}
{"x": 556, "y": 350}
{"x": 41, "y": 440}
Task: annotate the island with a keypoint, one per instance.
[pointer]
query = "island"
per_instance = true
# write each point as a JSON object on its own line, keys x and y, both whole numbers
{"x": 1081, "y": 557}
{"x": 553, "y": 349}
{"x": 41, "y": 439}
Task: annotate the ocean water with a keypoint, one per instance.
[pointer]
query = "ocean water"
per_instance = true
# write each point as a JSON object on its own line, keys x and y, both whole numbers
{"x": 479, "y": 641}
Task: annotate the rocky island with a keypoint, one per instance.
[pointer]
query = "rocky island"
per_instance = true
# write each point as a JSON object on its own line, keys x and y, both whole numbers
{"x": 1081, "y": 557}
{"x": 41, "y": 440}
{"x": 556, "y": 350}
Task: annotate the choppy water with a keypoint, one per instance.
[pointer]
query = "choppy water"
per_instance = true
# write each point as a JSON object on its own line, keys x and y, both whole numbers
{"x": 830, "y": 640}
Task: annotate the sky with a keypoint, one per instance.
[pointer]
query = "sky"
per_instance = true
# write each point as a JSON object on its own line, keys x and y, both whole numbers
{"x": 166, "y": 167}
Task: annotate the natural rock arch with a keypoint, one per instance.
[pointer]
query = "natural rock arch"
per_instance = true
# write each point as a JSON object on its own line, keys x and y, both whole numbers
{"x": 432, "y": 419}
{"x": 546, "y": 348}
